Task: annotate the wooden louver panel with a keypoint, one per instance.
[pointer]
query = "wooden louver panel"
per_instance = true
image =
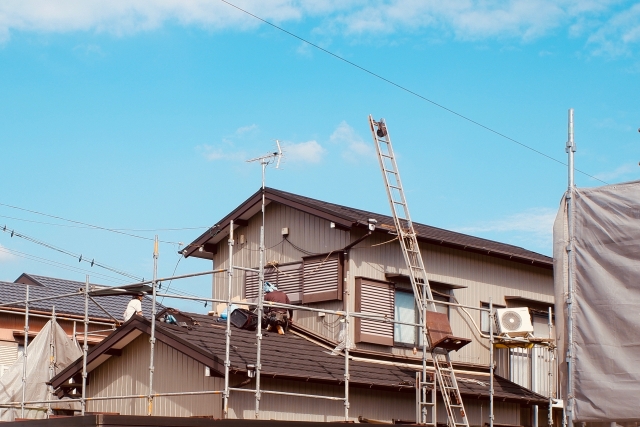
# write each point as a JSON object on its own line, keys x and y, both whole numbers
{"x": 288, "y": 277}
{"x": 322, "y": 278}
{"x": 378, "y": 298}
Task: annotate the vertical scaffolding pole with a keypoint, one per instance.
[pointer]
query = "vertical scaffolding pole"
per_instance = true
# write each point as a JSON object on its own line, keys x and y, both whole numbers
{"x": 24, "y": 351}
{"x": 264, "y": 164}
{"x": 52, "y": 359}
{"x": 550, "y": 374}
{"x": 152, "y": 339}
{"x": 570, "y": 149}
{"x": 346, "y": 358}
{"x": 227, "y": 351}
{"x": 85, "y": 346}
{"x": 491, "y": 368}
{"x": 260, "y": 314}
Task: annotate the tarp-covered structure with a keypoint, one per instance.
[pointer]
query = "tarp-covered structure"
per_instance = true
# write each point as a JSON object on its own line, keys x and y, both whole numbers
{"x": 50, "y": 345}
{"x": 606, "y": 301}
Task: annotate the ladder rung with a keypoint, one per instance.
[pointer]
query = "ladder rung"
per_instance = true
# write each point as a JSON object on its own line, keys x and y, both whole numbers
{"x": 391, "y": 171}
{"x": 386, "y": 155}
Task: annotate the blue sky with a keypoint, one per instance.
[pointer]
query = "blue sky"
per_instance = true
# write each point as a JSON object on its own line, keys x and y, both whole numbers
{"x": 139, "y": 115}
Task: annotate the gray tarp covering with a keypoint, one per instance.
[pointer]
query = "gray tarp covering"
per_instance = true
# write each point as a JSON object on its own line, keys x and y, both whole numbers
{"x": 39, "y": 351}
{"x": 606, "y": 308}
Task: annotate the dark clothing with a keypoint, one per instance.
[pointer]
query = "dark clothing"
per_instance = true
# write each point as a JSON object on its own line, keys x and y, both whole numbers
{"x": 281, "y": 298}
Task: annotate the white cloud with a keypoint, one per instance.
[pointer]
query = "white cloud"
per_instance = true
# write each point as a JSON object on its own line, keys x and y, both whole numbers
{"x": 533, "y": 227}
{"x": 5, "y": 255}
{"x": 218, "y": 153}
{"x": 306, "y": 152}
{"x": 468, "y": 19}
{"x": 618, "y": 34}
{"x": 354, "y": 147}
{"x": 246, "y": 129}
{"x": 619, "y": 173}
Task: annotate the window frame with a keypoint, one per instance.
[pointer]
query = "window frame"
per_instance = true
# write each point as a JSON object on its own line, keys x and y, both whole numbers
{"x": 485, "y": 315}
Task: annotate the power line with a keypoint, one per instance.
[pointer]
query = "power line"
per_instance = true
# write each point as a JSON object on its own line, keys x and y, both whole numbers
{"x": 79, "y": 257}
{"x": 58, "y": 264}
{"x": 85, "y": 224}
{"x": 117, "y": 229}
{"x": 361, "y": 68}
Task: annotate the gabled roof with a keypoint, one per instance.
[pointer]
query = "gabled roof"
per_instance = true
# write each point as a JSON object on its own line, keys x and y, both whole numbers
{"x": 42, "y": 287}
{"x": 347, "y": 218}
{"x": 290, "y": 356}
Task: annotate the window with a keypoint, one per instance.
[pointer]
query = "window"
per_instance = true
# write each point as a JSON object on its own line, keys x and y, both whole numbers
{"x": 405, "y": 311}
{"x": 484, "y": 317}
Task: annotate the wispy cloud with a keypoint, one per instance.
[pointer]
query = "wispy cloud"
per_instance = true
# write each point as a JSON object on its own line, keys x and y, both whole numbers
{"x": 619, "y": 34}
{"x": 465, "y": 20}
{"x": 532, "y": 227}
{"x": 6, "y": 255}
{"x": 303, "y": 152}
{"x": 623, "y": 172}
{"x": 352, "y": 144}
{"x": 246, "y": 129}
{"x": 212, "y": 153}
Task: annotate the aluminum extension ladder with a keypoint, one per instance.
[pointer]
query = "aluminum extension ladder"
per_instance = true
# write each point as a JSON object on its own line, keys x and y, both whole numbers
{"x": 446, "y": 379}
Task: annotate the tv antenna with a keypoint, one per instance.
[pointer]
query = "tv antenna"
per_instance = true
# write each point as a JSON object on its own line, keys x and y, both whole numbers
{"x": 268, "y": 159}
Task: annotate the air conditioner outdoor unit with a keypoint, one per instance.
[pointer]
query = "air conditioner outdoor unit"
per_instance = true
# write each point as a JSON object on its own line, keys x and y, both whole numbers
{"x": 515, "y": 322}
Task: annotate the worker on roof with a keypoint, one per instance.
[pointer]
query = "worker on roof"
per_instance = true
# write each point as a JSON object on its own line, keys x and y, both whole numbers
{"x": 134, "y": 306}
{"x": 277, "y": 318}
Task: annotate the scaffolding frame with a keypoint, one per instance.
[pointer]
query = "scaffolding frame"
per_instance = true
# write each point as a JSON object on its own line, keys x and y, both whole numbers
{"x": 227, "y": 390}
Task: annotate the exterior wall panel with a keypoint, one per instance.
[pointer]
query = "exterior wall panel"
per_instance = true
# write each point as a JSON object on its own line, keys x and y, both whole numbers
{"x": 483, "y": 277}
{"x": 128, "y": 374}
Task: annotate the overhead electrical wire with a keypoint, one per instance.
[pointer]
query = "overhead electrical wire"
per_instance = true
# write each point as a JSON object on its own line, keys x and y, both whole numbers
{"x": 97, "y": 227}
{"x": 79, "y": 257}
{"x": 59, "y": 264}
{"x": 117, "y": 229}
{"x": 378, "y": 76}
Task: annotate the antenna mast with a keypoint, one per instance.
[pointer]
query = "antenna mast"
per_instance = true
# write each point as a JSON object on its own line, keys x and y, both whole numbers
{"x": 265, "y": 160}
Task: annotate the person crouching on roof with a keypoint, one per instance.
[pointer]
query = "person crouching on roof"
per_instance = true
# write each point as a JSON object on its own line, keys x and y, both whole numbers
{"x": 277, "y": 317}
{"x": 134, "y": 307}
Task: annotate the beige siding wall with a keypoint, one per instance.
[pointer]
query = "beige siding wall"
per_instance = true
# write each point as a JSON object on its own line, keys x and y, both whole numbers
{"x": 484, "y": 277}
{"x": 308, "y": 232}
{"x": 372, "y": 404}
{"x": 128, "y": 374}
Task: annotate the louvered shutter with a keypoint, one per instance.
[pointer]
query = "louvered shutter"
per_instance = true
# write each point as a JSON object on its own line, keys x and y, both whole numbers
{"x": 286, "y": 276}
{"x": 374, "y": 297}
{"x": 322, "y": 278}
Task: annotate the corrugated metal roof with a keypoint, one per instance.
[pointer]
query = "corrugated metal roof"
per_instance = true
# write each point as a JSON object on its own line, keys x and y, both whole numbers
{"x": 352, "y": 217}
{"x": 71, "y": 305}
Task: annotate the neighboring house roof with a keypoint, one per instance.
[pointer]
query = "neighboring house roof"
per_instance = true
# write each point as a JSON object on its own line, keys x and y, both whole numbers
{"x": 347, "y": 218}
{"x": 290, "y": 356}
{"x": 42, "y": 287}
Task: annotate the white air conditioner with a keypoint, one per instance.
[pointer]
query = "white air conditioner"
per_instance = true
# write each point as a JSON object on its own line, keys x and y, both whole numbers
{"x": 515, "y": 322}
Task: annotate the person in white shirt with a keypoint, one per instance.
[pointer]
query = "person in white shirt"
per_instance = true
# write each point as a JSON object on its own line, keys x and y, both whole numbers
{"x": 134, "y": 307}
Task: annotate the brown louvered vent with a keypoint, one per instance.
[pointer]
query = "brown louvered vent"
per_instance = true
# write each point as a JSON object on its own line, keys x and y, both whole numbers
{"x": 322, "y": 278}
{"x": 374, "y": 297}
{"x": 288, "y": 277}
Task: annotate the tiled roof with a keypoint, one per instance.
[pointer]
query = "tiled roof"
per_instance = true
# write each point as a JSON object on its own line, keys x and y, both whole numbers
{"x": 71, "y": 305}
{"x": 349, "y": 217}
{"x": 292, "y": 356}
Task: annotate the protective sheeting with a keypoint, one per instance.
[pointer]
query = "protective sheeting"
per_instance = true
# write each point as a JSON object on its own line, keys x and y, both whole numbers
{"x": 606, "y": 303}
{"x": 51, "y": 340}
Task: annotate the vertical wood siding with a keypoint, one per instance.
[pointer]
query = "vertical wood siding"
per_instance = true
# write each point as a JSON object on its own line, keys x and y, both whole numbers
{"x": 128, "y": 374}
